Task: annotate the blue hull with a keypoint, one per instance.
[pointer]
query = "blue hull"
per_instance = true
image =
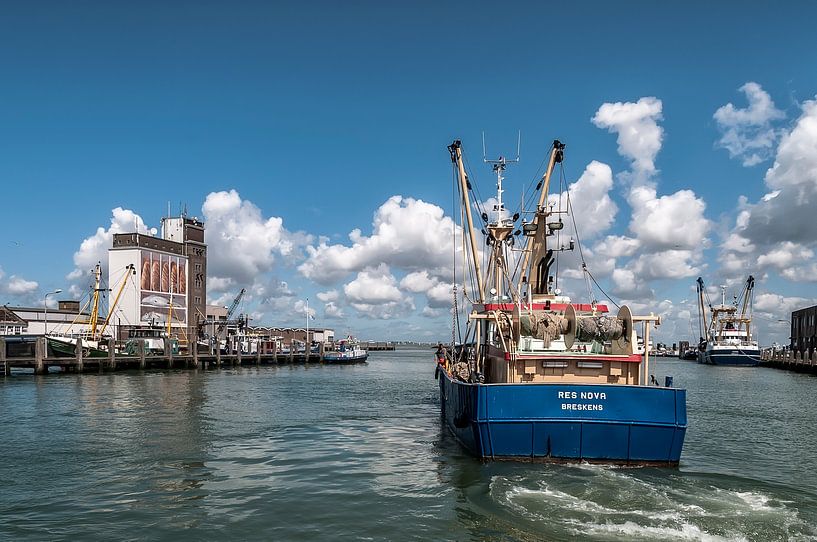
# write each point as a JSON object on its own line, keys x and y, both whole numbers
{"x": 746, "y": 358}
{"x": 567, "y": 422}
{"x": 337, "y": 360}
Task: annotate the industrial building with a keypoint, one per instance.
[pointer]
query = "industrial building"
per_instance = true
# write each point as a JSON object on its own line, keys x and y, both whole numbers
{"x": 288, "y": 334}
{"x": 66, "y": 319}
{"x": 804, "y": 331}
{"x": 166, "y": 279}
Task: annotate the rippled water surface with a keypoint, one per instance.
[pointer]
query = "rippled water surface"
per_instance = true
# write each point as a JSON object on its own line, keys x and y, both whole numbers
{"x": 358, "y": 452}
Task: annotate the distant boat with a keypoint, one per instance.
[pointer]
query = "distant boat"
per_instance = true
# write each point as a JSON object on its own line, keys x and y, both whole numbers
{"x": 728, "y": 338}
{"x": 348, "y": 351}
{"x": 689, "y": 355}
{"x": 536, "y": 376}
{"x": 153, "y": 338}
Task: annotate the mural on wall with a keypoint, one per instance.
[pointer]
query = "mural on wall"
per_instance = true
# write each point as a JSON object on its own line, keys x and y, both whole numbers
{"x": 163, "y": 285}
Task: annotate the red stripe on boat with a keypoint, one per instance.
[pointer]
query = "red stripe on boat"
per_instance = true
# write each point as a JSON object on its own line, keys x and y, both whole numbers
{"x": 543, "y": 306}
{"x": 633, "y": 358}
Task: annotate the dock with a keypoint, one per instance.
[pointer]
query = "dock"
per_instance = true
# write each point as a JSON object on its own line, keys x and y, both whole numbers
{"x": 372, "y": 346}
{"x": 789, "y": 360}
{"x": 40, "y": 362}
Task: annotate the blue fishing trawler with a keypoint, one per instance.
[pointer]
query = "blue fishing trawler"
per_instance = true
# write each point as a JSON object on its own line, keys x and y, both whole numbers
{"x": 535, "y": 375}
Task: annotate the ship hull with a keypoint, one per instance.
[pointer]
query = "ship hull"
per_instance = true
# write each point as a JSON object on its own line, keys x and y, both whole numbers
{"x": 66, "y": 349}
{"x": 631, "y": 425}
{"x": 747, "y": 358}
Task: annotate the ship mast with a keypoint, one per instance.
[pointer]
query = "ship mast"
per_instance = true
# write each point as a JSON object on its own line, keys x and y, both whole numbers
{"x": 538, "y": 258}
{"x": 500, "y": 228}
{"x": 746, "y": 296}
{"x": 702, "y": 308}
{"x": 456, "y": 156}
{"x": 94, "y": 318}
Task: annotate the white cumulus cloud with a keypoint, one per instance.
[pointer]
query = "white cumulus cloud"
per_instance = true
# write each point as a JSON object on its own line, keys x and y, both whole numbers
{"x": 747, "y": 133}
{"x": 407, "y": 234}
{"x": 639, "y": 135}
{"x": 785, "y": 255}
{"x": 94, "y": 249}
{"x": 373, "y": 285}
{"x": 21, "y": 286}
{"x": 18, "y": 287}
{"x": 666, "y": 222}
{"x": 593, "y": 209}
{"x": 374, "y": 293}
{"x": 669, "y": 231}
{"x": 779, "y": 227}
{"x": 242, "y": 243}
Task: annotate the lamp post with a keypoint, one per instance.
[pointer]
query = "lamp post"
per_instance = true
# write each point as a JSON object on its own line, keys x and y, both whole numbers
{"x": 45, "y": 310}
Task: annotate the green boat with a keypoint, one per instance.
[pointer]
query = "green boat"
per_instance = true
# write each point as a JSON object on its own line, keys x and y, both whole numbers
{"x": 65, "y": 347}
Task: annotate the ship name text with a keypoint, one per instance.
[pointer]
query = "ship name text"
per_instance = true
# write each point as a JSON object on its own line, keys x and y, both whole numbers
{"x": 586, "y": 395}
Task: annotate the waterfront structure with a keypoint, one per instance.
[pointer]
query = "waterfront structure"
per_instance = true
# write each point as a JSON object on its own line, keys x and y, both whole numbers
{"x": 66, "y": 319}
{"x": 288, "y": 334}
{"x": 536, "y": 376}
{"x": 169, "y": 282}
{"x": 804, "y": 331}
{"x": 11, "y": 323}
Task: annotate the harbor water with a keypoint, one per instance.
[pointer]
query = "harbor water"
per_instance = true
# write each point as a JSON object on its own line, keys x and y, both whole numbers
{"x": 358, "y": 453}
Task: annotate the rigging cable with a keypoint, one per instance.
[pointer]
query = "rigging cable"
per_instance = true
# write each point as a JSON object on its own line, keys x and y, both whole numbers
{"x": 527, "y": 203}
{"x": 587, "y": 275}
{"x": 562, "y": 189}
{"x": 455, "y": 324}
{"x": 599, "y": 286}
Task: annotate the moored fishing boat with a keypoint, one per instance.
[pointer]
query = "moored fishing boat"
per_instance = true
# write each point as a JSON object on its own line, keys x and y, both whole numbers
{"x": 537, "y": 376}
{"x": 727, "y": 335}
{"x": 95, "y": 342}
{"x": 66, "y": 347}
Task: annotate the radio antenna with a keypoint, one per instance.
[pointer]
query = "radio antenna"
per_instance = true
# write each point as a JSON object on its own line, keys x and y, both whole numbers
{"x": 499, "y": 164}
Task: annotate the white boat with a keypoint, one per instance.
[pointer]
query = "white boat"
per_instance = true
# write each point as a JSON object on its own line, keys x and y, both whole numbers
{"x": 728, "y": 338}
{"x": 348, "y": 351}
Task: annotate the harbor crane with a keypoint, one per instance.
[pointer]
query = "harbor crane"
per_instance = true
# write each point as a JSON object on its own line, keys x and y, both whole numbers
{"x": 231, "y": 310}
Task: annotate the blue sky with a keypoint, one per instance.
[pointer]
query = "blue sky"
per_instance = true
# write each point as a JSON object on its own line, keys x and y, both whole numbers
{"x": 318, "y": 113}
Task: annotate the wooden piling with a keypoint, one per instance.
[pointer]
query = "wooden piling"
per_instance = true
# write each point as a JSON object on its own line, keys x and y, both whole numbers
{"x": 275, "y": 351}
{"x": 237, "y": 358}
{"x": 195, "y": 355}
{"x": 112, "y": 354}
{"x": 321, "y": 351}
{"x": 218, "y": 356}
{"x": 258, "y": 353}
{"x": 3, "y": 359}
{"x": 291, "y": 351}
{"x": 80, "y": 362}
{"x": 140, "y": 346}
{"x": 39, "y": 354}
{"x": 168, "y": 348}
